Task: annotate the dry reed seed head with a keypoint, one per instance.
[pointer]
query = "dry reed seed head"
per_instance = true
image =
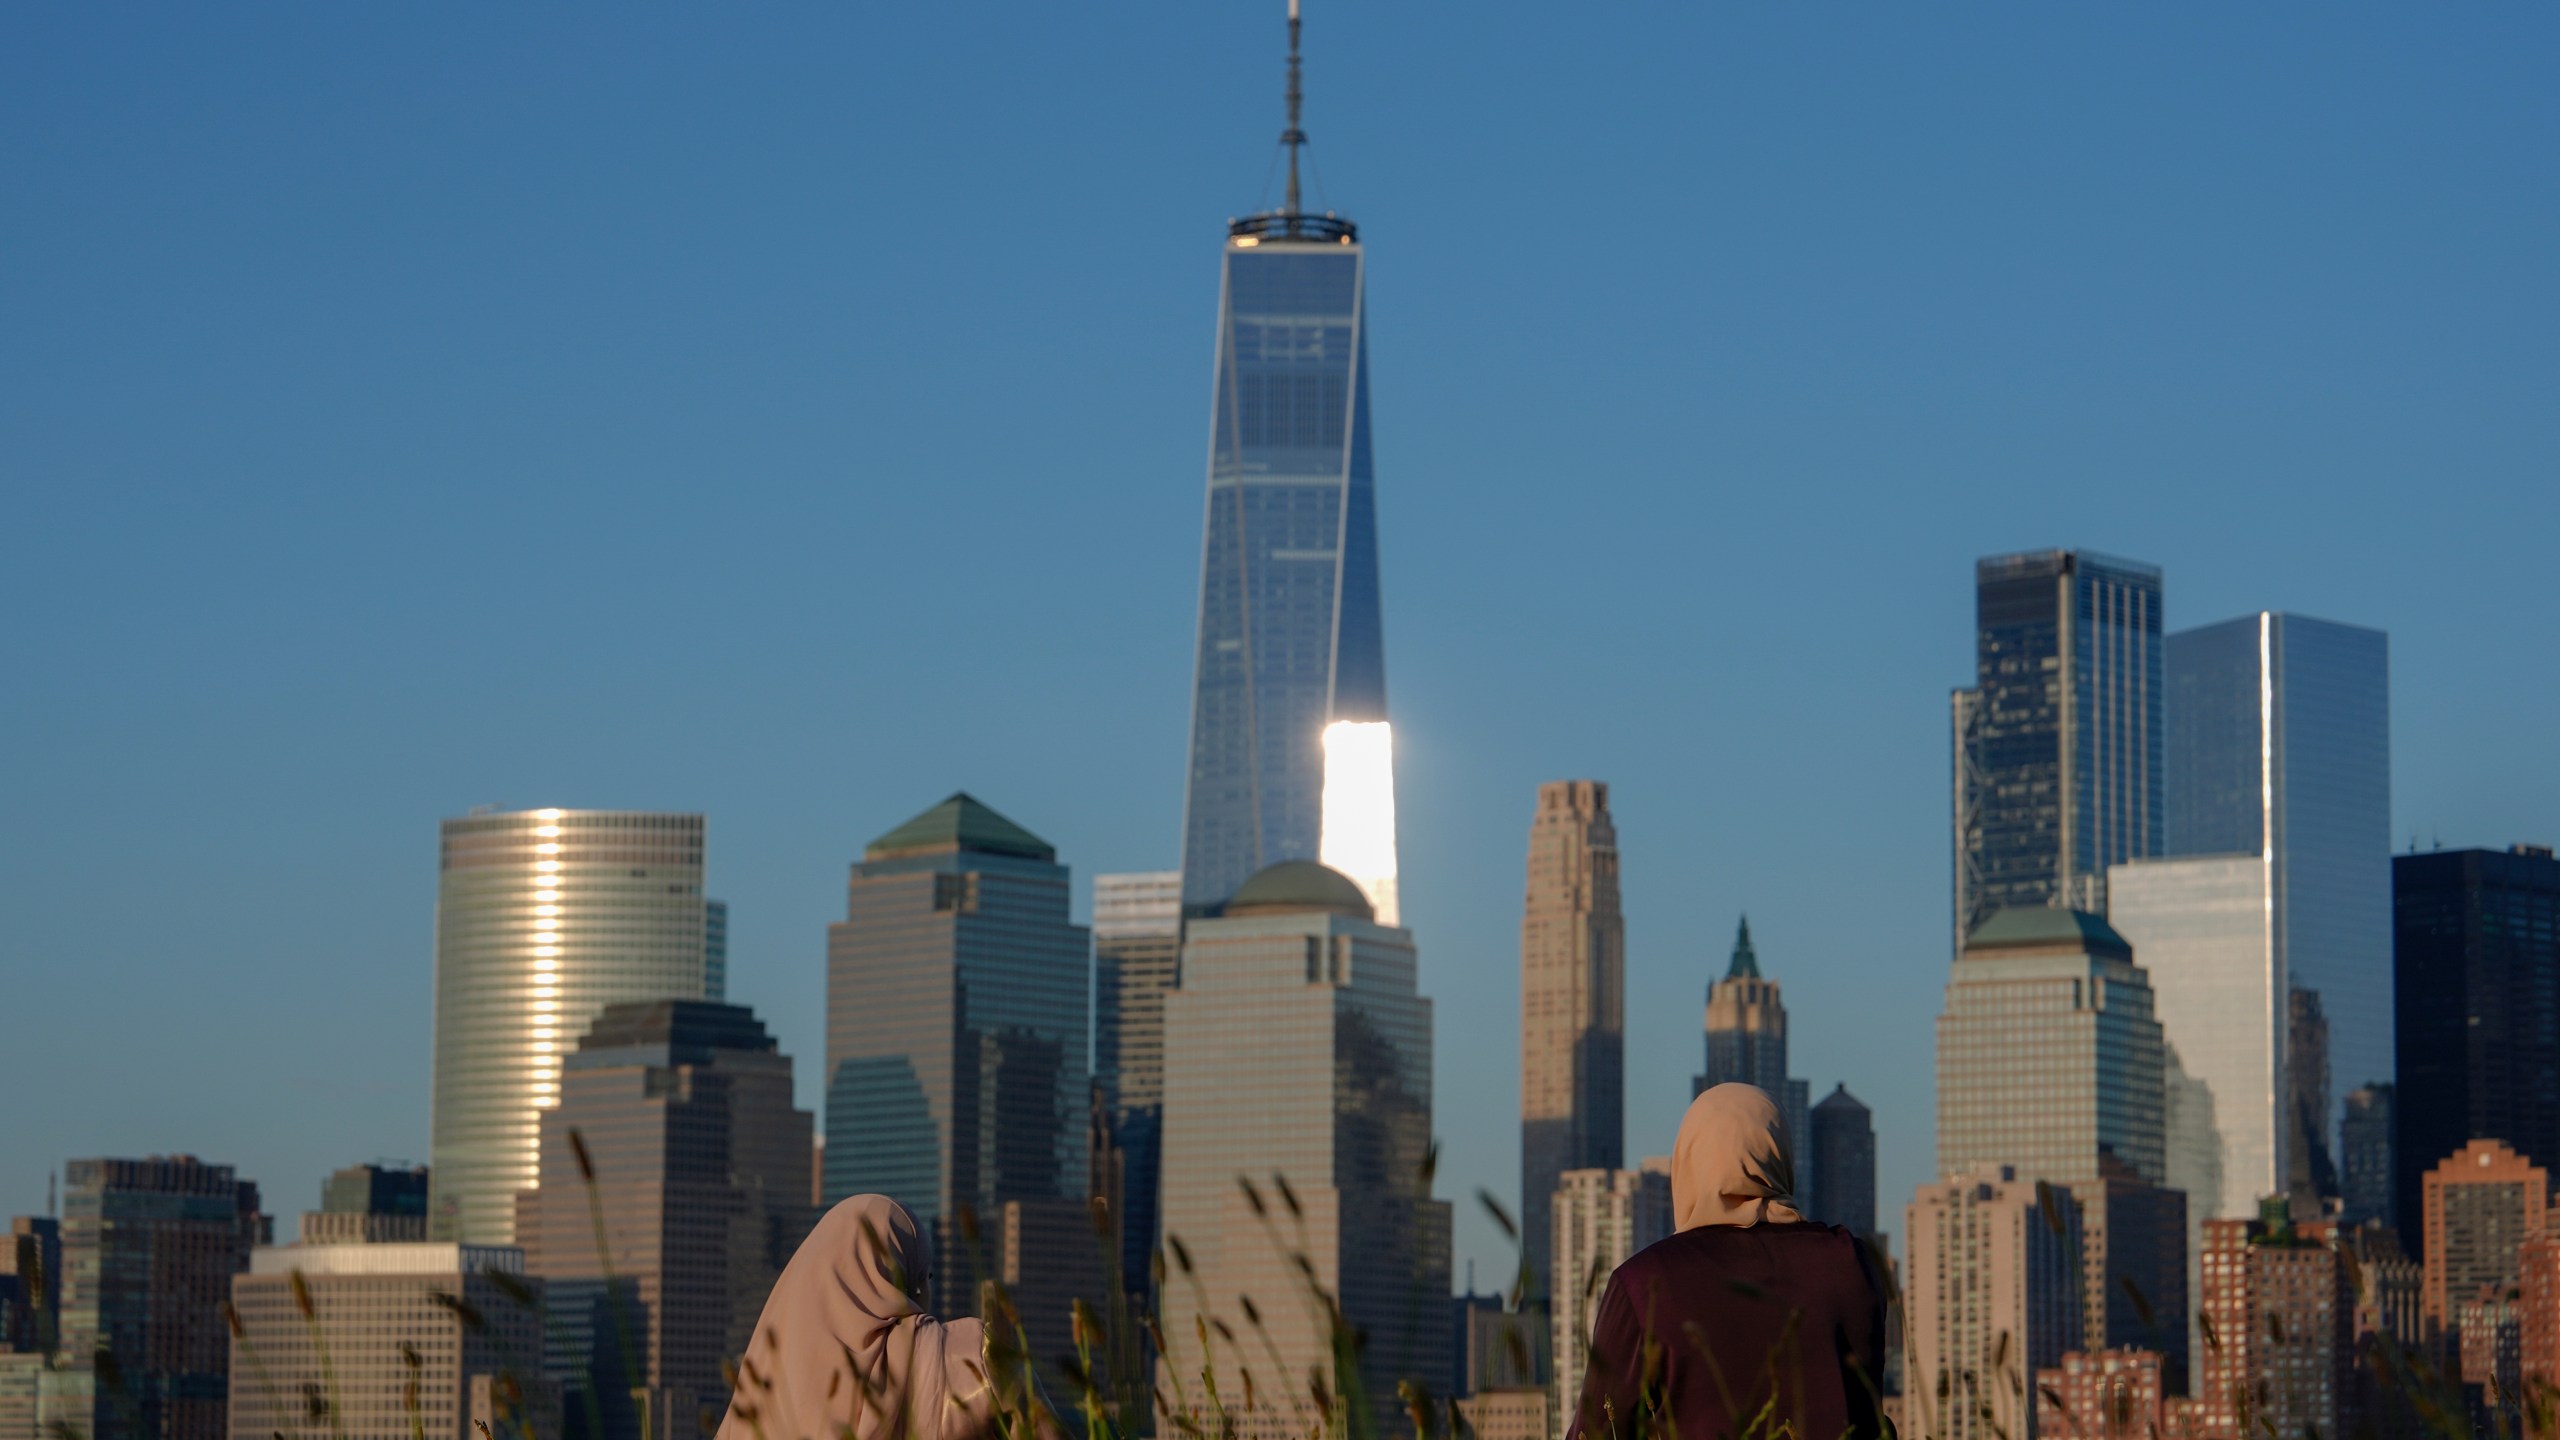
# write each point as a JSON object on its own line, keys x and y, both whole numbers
{"x": 1252, "y": 1312}
{"x": 463, "y": 1310}
{"x": 968, "y": 1216}
{"x": 511, "y": 1287}
{"x": 2141, "y": 1302}
{"x": 1501, "y": 1217}
{"x": 835, "y": 1382}
{"x": 1181, "y": 1252}
{"x": 1430, "y": 1163}
{"x": 483, "y": 1424}
{"x": 315, "y": 1406}
{"x": 231, "y": 1321}
{"x": 1224, "y": 1331}
{"x": 586, "y": 1162}
{"x": 301, "y": 1292}
{"x": 1252, "y": 1196}
{"x": 409, "y": 1356}
{"x": 1288, "y": 1197}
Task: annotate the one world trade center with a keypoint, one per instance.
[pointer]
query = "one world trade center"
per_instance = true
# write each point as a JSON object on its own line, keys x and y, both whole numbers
{"x": 1290, "y": 643}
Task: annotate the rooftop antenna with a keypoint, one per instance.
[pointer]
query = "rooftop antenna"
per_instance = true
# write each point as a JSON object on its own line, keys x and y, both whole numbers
{"x": 1293, "y": 137}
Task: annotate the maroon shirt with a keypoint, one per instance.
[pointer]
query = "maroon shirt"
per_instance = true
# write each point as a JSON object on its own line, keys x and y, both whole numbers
{"x": 1790, "y": 1314}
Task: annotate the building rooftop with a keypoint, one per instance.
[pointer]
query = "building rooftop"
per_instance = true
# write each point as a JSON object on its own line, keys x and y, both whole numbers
{"x": 688, "y": 1029}
{"x": 1297, "y": 886}
{"x": 1841, "y": 1100}
{"x": 2039, "y": 927}
{"x": 1283, "y": 227}
{"x": 960, "y": 823}
{"x": 394, "y": 1258}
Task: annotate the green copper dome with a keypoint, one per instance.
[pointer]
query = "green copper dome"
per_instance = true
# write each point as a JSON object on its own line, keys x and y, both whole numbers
{"x": 1296, "y": 886}
{"x": 2040, "y": 926}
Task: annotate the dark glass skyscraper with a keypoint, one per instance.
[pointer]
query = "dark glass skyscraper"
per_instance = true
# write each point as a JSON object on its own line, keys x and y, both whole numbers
{"x": 2476, "y": 980}
{"x": 1290, "y": 636}
{"x": 2057, "y": 745}
{"x": 148, "y": 1251}
{"x": 1843, "y": 1147}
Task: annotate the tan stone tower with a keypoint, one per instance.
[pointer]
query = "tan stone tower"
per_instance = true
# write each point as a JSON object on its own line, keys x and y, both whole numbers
{"x": 1573, "y": 983}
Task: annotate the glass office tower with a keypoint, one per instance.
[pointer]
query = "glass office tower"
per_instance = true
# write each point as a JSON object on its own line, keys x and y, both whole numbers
{"x": 2057, "y": 745}
{"x": 1290, "y": 637}
{"x": 543, "y": 918}
{"x": 2476, "y": 940}
{"x": 2279, "y": 752}
{"x": 957, "y": 1008}
{"x": 1137, "y": 959}
{"x": 2280, "y": 747}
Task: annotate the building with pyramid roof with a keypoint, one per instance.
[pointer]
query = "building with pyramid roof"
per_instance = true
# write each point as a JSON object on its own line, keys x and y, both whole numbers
{"x": 1747, "y": 1042}
{"x": 956, "y": 1068}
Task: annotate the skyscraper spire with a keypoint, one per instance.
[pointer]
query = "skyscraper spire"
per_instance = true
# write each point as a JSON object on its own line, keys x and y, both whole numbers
{"x": 1293, "y": 137}
{"x": 1746, "y": 961}
{"x": 1291, "y": 644}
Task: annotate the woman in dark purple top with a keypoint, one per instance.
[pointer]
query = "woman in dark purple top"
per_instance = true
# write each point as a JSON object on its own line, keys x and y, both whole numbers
{"x": 1750, "y": 1322}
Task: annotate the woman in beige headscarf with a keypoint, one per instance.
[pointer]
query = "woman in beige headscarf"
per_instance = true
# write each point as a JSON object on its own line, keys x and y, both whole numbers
{"x": 1748, "y": 1317}
{"x": 844, "y": 1350}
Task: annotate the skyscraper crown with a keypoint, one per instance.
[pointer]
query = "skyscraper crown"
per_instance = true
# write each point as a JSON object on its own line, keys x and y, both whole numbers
{"x": 1746, "y": 962}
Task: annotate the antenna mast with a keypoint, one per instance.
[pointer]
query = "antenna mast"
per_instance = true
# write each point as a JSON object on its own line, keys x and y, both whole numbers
{"x": 1293, "y": 137}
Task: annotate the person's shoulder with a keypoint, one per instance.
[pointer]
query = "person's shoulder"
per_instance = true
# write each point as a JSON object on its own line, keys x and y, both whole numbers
{"x": 1803, "y": 1234}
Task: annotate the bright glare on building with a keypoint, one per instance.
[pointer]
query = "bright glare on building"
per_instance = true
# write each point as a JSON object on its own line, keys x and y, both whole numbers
{"x": 1360, "y": 809}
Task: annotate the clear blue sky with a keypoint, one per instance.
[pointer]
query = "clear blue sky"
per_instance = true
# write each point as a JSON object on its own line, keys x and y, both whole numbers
{"x": 796, "y": 413}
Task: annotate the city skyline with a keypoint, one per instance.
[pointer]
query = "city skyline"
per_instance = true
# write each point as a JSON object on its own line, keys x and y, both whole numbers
{"x": 283, "y": 636}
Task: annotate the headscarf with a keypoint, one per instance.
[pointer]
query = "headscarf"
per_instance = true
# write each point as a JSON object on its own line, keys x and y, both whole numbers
{"x": 844, "y": 1350}
{"x": 1730, "y": 1165}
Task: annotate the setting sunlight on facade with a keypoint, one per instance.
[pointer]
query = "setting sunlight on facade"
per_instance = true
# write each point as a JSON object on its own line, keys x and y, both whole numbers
{"x": 1359, "y": 836}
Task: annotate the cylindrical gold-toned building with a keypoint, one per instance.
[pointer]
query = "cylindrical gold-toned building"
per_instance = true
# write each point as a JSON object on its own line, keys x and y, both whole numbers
{"x": 543, "y": 918}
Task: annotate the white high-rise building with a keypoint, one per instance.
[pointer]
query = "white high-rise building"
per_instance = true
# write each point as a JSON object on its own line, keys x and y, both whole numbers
{"x": 2048, "y": 1053}
{"x": 2200, "y": 925}
{"x": 378, "y": 1308}
{"x": 1602, "y": 1218}
{"x": 1297, "y": 1131}
{"x": 543, "y": 918}
{"x": 1991, "y": 1295}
